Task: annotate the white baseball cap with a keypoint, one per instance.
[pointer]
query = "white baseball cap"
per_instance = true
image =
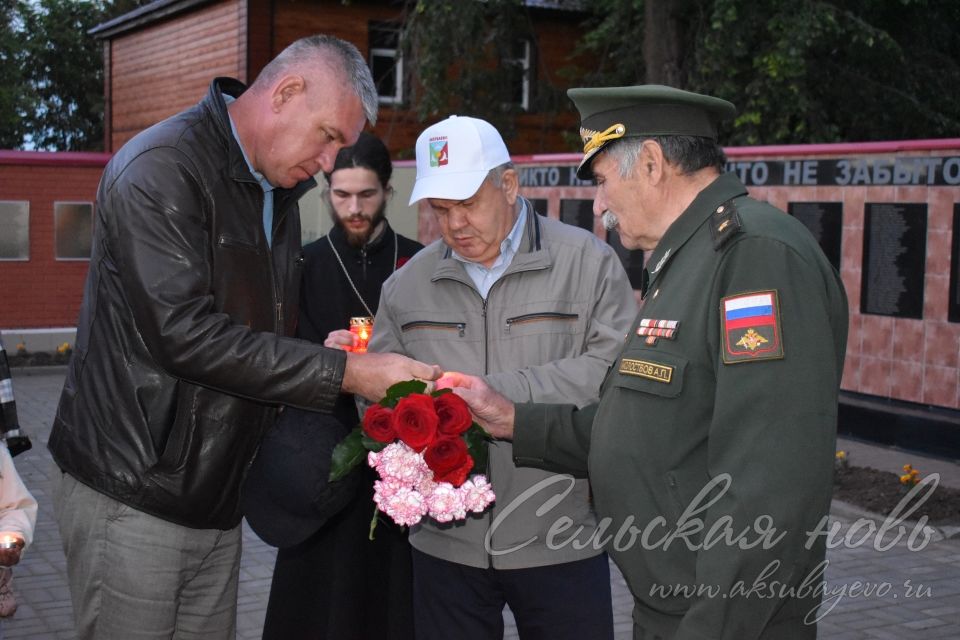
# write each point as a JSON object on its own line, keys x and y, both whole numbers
{"x": 454, "y": 157}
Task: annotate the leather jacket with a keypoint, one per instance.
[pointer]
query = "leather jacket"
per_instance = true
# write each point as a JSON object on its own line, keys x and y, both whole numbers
{"x": 180, "y": 359}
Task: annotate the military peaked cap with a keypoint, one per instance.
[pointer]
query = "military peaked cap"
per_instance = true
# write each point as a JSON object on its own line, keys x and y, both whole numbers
{"x": 611, "y": 113}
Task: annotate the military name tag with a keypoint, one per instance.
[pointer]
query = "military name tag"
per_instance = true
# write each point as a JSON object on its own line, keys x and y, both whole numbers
{"x": 644, "y": 369}
{"x": 751, "y": 327}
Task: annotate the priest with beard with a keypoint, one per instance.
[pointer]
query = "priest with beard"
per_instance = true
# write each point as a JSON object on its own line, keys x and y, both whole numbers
{"x": 338, "y": 584}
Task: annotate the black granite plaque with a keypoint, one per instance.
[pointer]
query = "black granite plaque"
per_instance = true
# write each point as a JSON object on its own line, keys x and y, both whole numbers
{"x": 579, "y": 213}
{"x": 631, "y": 259}
{"x": 825, "y": 222}
{"x": 953, "y": 313}
{"x": 894, "y": 256}
{"x": 539, "y": 205}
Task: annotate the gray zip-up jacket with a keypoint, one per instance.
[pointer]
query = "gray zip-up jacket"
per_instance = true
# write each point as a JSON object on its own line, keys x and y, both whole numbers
{"x": 547, "y": 332}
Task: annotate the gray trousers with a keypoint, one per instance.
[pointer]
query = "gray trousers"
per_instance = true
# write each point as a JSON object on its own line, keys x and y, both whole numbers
{"x": 134, "y": 576}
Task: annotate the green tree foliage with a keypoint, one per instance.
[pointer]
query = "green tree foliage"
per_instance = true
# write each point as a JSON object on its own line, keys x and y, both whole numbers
{"x": 66, "y": 75}
{"x": 57, "y": 80}
{"x": 803, "y": 70}
{"x": 612, "y": 46}
{"x": 15, "y": 103}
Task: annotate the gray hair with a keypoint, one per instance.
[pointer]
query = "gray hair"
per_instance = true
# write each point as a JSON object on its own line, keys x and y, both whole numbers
{"x": 495, "y": 175}
{"x": 689, "y": 153}
{"x": 339, "y": 56}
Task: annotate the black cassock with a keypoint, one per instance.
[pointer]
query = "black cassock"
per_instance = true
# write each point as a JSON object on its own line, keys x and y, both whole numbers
{"x": 338, "y": 584}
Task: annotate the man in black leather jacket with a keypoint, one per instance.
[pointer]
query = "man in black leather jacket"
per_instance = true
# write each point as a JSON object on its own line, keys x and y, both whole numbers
{"x": 181, "y": 357}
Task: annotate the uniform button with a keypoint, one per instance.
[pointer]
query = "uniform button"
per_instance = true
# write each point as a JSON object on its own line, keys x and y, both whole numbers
{"x": 720, "y": 209}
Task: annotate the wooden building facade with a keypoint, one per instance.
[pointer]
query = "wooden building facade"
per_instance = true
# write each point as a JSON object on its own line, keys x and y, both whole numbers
{"x": 159, "y": 59}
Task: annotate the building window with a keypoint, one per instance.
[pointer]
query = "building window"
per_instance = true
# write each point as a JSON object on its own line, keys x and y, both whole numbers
{"x": 73, "y": 230}
{"x": 15, "y": 222}
{"x": 386, "y": 62}
{"x": 522, "y": 62}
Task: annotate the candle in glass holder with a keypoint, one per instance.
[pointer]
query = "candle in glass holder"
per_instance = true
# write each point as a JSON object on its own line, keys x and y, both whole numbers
{"x": 10, "y": 541}
{"x": 362, "y": 327}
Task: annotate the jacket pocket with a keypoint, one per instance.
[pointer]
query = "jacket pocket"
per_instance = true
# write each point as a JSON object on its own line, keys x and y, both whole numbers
{"x": 542, "y": 316}
{"x": 685, "y": 486}
{"x": 229, "y": 242}
{"x": 652, "y": 372}
{"x": 459, "y": 328}
{"x": 171, "y": 447}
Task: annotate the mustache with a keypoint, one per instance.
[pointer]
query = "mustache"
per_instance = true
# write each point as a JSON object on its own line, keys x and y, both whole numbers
{"x": 359, "y": 216}
{"x": 609, "y": 220}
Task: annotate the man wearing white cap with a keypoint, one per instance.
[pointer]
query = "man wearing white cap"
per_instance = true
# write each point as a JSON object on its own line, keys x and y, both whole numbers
{"x": 539, "y": 309}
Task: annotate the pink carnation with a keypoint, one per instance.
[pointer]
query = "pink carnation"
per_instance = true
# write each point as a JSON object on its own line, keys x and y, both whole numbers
{"x": 399, "y": 461}
{"x": 406, "y": 490}
{"x": 476, "y": 493}
{"x": 426, "y": 485}
{"x": 405, "y": 506}
{"x": 445, "y": 503}
{"x": 385, "y": 489}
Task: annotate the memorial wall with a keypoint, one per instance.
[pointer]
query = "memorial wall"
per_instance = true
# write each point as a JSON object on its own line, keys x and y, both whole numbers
{"x": 887, "y": 215}
{"x": 889, "y": 210}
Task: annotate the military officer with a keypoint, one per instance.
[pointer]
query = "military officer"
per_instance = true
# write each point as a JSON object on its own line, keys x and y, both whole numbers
{"x": 710, "y": 451}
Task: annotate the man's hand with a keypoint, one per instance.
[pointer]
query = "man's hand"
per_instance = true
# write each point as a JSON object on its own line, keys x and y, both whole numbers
{"x": 370, "y": 374}
{"x": 493, "y": 411}
{"x": 341, "y": 339}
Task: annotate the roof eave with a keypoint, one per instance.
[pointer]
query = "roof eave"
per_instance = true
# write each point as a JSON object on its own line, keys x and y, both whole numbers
{"x": 153, "y": 12}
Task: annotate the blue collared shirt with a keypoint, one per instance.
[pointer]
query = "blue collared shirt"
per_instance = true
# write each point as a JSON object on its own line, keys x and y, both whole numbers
{"x": 266, "y": 186}
{"x": 483, "y": 277}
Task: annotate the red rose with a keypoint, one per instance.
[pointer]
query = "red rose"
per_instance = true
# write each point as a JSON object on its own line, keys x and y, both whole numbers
{"x": 415, "y": 420}
{"x": 402, "y": 261}
{"x": 378, "y": 424}
{"x": 449, "y": 460}
{"x": 454, "y": 414}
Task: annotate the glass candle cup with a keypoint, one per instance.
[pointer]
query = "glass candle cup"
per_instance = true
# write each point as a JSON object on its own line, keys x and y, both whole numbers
{"x": 362, "y": 327}
{"x": 10, "y": 541}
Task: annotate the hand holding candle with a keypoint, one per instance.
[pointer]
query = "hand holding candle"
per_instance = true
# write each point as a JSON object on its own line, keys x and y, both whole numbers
{"x": 342, "y": 339}
{"x": 11, "y": 544}
{"x": 362, "y": 327}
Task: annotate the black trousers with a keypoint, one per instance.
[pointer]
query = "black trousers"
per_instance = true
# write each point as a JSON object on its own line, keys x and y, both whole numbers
{"x": 339, "y": 585}
{"x": 569, "y": 601}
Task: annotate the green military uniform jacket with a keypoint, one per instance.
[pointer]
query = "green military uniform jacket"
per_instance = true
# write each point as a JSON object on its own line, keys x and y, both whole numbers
{"x": 726, "y": 387}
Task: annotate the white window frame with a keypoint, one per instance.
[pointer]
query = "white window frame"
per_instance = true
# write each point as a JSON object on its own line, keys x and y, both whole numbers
{"x": 524, "y": 63}
{"x": 397, "y": 58}
{"x": 397, "y": 96}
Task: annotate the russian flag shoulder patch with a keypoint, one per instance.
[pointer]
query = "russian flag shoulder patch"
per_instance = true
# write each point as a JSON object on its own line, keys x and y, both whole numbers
{"x": 750, "y": 327}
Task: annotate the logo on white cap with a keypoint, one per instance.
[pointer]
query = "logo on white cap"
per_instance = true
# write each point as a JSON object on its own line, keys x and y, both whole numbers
{"x": 439, "y": 151}
{"x": 454, "y": 157}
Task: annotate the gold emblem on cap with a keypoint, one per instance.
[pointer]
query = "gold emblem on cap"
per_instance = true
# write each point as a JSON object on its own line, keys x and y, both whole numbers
{"x": 593, "y": 139}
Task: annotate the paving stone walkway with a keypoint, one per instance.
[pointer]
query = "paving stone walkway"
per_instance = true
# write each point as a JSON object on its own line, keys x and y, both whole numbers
{"x": 875, "y": 589}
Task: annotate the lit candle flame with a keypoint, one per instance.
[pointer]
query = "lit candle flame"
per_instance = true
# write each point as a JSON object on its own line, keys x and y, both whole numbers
{"x": 10, "y": 540}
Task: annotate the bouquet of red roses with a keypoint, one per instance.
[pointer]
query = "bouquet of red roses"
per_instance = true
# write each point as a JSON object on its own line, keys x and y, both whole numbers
{"x": 424, "y": 447}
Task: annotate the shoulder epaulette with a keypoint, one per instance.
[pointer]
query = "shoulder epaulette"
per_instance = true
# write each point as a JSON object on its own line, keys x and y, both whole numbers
{"x": 724, "y": 224}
